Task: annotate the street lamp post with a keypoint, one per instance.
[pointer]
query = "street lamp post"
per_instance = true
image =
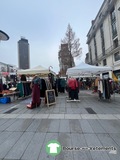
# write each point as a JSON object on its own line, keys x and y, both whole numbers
{"x": 3, "y": 37}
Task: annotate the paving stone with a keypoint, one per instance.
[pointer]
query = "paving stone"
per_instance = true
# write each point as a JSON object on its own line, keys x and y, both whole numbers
{"x": 72, "y": 116}
{"x": 117, "y": 116}
{"x": 65, "y": 141}
{"x": 2, "y": 121}
{"x": 21, "y": 111}
{"x": 40, "y": 116}
{"x": 8, "y": 123}
{"x": 107, "y": 141}
{"x": 2, "y": 115}
{"x": 76, "y": 110}
{"x": 86, "y": 128}
{"x": 54, "y": 126}
{"x": 33, "y": 111}
{"x": 42, "y": 110}
{"x": 111, "y": 126}
{"x": 75, "y": 126}
{"x": 56, "y": 116}
{"x": 20, "y": 125}
{"x": 110, "y": 110}
{"x": 106, "y": 116}
{"x": 64, "y": 126}
{"x": 96, "y": 126}
{"x": 62, "y": 109}
{"x": 3, "y": 136}
{"x": 56, "y": 110}
{"x": 105, "y": 109}
{"x": 115, "y": 137}
{"x": 19, "y": 148}
{"x": 44, "y": 125}
{"x": 34, "y": 125}
{"x": 89, "y": 116}
{"x": 11, "y": 116}
{"x": 93, "y": 141}
{"x": 78, "y": 141}
{"x": 43, "y": 154}
{"x": 48, "y": 110}
{"x": 25, "y": 116}
{"x": 69, "y": 110}
{"x": 9, "y": 142}
{"x": 33, "y": 149}
{"x": 117, "y": 110}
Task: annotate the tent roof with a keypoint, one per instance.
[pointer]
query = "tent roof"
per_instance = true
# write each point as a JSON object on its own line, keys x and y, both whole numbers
{"x": 86, "y": 69}
{"x": 36, "y": 70}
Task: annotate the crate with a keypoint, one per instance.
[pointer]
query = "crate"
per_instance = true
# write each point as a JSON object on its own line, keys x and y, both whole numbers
{"x": 5, "y": 100}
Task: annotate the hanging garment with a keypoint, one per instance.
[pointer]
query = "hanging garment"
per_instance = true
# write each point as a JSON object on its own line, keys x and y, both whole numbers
{"x": 35, "y": 93}
{"x": 101, "y": 86}
{"x": 21, "y": 89}
{"x": 73, "y": 88}
{"x": 43, "y": 88}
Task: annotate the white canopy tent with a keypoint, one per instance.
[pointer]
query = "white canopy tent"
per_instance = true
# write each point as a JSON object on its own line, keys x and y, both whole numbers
{"x": 84, "y": 69}
{"x": 36, "y": 70}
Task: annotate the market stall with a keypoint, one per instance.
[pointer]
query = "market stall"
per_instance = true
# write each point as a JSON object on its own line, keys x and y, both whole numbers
{"x": 84, "y": 69}
{"x": 38, "y": 70}
{"x": 46, "y": 82}
{"x": 104, "y": 83}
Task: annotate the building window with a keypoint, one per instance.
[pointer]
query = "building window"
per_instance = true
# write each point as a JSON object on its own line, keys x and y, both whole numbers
{"x": 113, "y": 17}
{"x": 102, "y": 39}
{"x": 104, "y": 62}
{"x": 115, "y": 43}
{"x": 100, "y": 15}
{"x": 95, "y": 46}
{"x": 117, "y": 56}
{"x": 113, "y": 23}
{"x": 90, "y": 55}
{"x": 114, "y": 30}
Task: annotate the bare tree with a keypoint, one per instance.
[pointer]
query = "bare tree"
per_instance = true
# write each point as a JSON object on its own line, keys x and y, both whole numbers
{"x": 73, "y": 43}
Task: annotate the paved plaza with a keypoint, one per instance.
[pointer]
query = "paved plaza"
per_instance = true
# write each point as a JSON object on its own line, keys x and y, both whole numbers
{"x": 86, "y": 130}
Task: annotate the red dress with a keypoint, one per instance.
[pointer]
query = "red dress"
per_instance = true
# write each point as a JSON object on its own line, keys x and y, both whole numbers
{"x": 36, "y": 95}
{"x": 36, "y": 82}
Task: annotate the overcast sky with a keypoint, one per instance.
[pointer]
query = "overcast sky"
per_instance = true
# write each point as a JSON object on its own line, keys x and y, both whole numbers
{"x": 44, "y": 23}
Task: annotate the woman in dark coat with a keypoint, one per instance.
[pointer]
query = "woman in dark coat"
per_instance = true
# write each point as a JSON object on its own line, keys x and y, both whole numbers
{"x": 35, "y": 92}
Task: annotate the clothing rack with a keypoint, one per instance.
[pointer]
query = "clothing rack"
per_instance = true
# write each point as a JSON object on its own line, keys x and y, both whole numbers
{"x": 105, "y": 89}
{"x": 24, "y": 88}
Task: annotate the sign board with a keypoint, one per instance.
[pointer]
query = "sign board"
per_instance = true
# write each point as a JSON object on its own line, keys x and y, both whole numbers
{"x": 106, "y": 76}
{"x": 50, "y": 95}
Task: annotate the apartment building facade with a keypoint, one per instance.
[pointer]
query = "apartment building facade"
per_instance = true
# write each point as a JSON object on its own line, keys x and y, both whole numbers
{"x": 103, "y": 38}
{"x": 8, "y": 72}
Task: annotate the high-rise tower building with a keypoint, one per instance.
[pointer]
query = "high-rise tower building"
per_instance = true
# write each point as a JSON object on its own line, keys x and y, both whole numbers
{"x": 23, "y": 54}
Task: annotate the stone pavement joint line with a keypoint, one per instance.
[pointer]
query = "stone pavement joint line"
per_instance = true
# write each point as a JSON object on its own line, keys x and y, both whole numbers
{"x": 62, "y": 116}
